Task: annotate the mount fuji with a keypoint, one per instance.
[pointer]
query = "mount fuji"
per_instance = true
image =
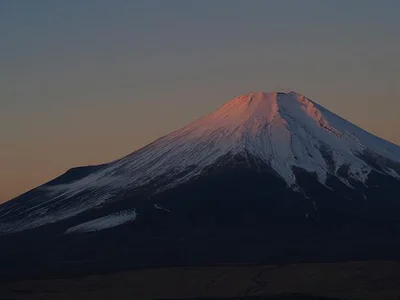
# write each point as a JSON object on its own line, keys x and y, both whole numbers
{"x": 266, "y": 177}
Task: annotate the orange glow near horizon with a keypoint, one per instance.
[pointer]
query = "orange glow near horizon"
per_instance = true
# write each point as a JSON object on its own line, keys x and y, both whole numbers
{"x": 90, "y": 84}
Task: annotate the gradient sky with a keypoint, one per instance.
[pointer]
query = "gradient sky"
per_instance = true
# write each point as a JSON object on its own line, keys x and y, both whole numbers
{"x": 85, "y": 82}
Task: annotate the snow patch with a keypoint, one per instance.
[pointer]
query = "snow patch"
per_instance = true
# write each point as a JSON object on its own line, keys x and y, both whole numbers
{"x": 161, "y": 208}
{"x": 105, "y": 222}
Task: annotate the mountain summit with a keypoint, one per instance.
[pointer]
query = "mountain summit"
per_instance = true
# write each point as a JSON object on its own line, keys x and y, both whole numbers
{"x": 285, "y": 131}
{"x": 261, "y": 160}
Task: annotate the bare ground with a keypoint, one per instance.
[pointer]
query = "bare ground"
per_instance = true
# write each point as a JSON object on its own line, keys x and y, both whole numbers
{"x": 373, "y": 280}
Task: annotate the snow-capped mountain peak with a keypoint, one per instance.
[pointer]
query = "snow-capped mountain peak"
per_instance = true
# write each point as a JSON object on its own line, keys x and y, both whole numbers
{"x": 282, "y": 129}
{"x": 285, "y": 131}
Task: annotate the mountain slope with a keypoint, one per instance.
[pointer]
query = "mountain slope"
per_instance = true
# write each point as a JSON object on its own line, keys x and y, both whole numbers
{"x": 272, "y": 170}
{"x": 283, "y": 130}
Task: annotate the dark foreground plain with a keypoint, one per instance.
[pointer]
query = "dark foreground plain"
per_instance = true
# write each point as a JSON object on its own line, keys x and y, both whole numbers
{"x": 341, "y": 280}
